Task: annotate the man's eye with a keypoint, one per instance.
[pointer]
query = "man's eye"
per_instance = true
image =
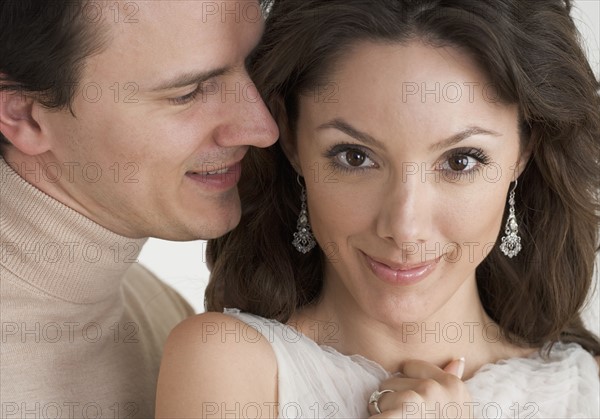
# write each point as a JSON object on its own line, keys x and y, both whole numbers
{"x": 182, "y": 100}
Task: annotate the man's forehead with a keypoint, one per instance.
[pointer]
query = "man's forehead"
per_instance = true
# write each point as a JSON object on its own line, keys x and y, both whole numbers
{"x": 202, "y": 11}
{"x": 158, "y": 39}
{"x": 185, "y": 20}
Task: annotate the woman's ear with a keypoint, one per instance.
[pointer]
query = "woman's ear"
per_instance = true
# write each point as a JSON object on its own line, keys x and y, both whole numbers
{"x": 525, "y": 152}
{"x": 286, "y": 137}
{"x": 19, "y": 122}
{"x": 521, "y": 164}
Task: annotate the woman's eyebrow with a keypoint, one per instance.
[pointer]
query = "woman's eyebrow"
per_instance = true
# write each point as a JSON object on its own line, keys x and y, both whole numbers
{"x": 463, "y": 135}
{"x": 365, "y": 138}
{"x": 348, "y": 129}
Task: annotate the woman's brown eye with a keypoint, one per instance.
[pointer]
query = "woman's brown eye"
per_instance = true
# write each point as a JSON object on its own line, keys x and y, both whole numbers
{"x": 458, "y": 163}
{"x": 355, "y": 158}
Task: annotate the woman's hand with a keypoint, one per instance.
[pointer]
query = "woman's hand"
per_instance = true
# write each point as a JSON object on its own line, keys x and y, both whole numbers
{"x": 425, "y": 390}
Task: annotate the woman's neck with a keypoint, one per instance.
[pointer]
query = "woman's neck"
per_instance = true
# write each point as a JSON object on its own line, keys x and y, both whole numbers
{"x": 461, "y": 328}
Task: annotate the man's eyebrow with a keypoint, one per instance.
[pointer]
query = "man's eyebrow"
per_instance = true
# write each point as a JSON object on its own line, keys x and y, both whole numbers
{"x": 187, "y": 79}
{"x": 347, "y": 129}
{"x": 463, "y": 135}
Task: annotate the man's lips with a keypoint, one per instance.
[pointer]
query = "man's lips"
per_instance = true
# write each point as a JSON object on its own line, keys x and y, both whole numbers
{"x": 217, "y": 178}
{"x": 218, "y": 169}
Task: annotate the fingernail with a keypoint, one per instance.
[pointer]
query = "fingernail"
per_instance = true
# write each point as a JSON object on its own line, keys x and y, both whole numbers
{"x": 461, "y": 367}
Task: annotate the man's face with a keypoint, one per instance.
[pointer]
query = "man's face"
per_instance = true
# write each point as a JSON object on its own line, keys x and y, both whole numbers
{"x": 167, "y": 102}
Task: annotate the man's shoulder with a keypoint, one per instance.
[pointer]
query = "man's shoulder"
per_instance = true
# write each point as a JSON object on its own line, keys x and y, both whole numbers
{"x": 144, "y": 290}
{"x": 138, "y": 274}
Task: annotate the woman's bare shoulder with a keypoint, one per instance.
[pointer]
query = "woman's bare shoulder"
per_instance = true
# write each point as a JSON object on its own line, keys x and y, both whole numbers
{"x": 209, "y": 366}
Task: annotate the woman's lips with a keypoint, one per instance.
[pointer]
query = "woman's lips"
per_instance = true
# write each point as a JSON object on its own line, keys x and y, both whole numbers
{"x": 401, "y": 274}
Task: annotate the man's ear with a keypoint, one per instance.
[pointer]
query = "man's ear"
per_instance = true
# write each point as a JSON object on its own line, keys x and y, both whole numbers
{"x": 286, "y": 137}
{"x": 19, "y": 122}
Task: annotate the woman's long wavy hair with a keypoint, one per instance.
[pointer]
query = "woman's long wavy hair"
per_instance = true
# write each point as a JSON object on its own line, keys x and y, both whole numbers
{"x": 530, "y": 50}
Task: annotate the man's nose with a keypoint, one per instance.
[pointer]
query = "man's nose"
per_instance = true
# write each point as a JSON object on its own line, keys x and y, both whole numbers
{"x": 250, "y": 121}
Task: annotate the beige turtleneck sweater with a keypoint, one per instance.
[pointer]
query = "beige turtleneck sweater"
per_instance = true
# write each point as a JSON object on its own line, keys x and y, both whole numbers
{"x": 83, "y": 325}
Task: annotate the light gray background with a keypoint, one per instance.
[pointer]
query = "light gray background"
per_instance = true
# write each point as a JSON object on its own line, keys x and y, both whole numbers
{"x": 181, "y": 264}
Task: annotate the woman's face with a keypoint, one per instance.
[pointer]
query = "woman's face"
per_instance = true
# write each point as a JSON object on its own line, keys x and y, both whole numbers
{"x": 407, "y": 156}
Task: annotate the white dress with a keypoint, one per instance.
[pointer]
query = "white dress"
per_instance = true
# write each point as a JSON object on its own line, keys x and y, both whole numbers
{"x": 318, "y": 382}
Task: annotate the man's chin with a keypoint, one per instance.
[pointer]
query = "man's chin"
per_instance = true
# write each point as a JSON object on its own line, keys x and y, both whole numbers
{"x": 224, "y": 219}
{"x": 216, "y": 231}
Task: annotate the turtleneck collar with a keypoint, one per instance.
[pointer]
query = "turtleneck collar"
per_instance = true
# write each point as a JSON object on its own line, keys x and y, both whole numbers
{"x": 56, "y": 249}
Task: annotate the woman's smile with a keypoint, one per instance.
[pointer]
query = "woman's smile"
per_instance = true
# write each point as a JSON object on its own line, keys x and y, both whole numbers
{"x": 400, "y": 273}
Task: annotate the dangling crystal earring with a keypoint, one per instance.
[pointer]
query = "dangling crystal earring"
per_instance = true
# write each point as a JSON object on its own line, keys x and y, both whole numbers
{"x": 511, "y": 242}
{"x": 303, "y": 238}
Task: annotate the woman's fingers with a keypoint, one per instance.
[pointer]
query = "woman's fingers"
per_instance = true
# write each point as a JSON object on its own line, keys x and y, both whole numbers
{"x": 416, "y": 368}
{"x": 421, "y": 369}
{"x": 422, "y": 386}
{"x": 456, "y": 367}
